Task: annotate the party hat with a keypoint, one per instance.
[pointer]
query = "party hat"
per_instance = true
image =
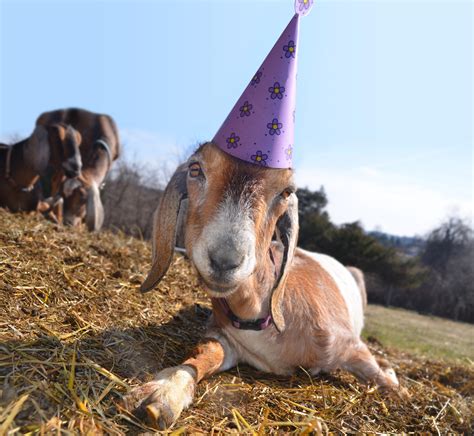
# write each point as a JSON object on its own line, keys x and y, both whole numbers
{"x": 260, "y": 127}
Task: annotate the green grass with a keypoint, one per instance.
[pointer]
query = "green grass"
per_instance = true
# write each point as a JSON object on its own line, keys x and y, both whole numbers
{"x": 426, "y": 336}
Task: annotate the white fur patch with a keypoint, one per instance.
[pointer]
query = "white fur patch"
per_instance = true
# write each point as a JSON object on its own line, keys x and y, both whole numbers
{"x": 174, "y": 391}
{"x": 347, "y": 287}
{"x": 232, "y": 220}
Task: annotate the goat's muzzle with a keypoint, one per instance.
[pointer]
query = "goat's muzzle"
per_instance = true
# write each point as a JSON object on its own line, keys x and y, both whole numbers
{"x": 224, "y": 263}
{"x": 72, "y": 171}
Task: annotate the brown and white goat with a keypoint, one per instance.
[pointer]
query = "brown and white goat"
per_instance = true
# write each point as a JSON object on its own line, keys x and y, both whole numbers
{"x": 100, "y": 146}
{"x": 313, "y": 303}
{"x": 54, "y": 148}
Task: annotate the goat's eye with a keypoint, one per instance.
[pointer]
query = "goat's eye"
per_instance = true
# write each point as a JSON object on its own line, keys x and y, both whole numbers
{"x": 286, "y": 193}
{"x": 195, "y": 170}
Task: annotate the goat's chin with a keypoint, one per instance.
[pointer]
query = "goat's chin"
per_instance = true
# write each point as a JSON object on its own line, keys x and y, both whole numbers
{"x": 219, "y": 293}
{"x": 218, "y": 290}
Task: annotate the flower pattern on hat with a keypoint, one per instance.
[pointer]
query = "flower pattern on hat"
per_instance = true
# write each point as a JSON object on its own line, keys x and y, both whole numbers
{"x": 276, "y": 91}
{"x": 290, "y": 49}
{"x": 245, "y": 109}
{"x": 260, "y": 127}
{"x": 260, "y": 158}
{"x": 233, "y": 141}
{"x": 274, "y": 127}
{"x": 256, "y": 79}
{"x": 303, "y": 6}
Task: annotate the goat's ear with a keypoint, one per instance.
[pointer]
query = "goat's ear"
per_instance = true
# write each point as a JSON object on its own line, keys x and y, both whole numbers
{"x": 287, "y": 231}
{"x": 37, "y": 151}
{"x": 165, "y": 228}
{"x": 56, "y": 135}
{"x": 76, "y": 135}
{"x": 94, "y": 209}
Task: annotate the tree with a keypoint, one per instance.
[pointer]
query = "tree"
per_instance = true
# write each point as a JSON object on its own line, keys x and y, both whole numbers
{"x": 449, "y": 240}
{"x": 449, "y": 253}
{"x": 312, "y": 201}
{"x": 394, "y": 273}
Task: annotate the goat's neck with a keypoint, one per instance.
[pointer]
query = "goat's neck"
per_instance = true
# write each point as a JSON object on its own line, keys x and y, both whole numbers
{"x": 99, "y": 161}
{"x": 97, "y": 170}
{"x": 252, "y": 300}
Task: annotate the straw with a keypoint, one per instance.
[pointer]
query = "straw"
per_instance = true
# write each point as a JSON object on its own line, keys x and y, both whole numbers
{"x": 76, "y": 335}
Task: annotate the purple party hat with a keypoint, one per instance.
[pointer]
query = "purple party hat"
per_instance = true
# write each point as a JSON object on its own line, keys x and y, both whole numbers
{"x": 260, "y": 127}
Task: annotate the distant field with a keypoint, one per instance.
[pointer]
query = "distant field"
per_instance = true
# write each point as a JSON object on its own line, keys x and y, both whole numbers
{"x": 426, "y": 336}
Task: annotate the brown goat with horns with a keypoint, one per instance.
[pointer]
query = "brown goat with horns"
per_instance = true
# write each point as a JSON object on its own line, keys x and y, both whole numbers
{"x": 275, "y": 307}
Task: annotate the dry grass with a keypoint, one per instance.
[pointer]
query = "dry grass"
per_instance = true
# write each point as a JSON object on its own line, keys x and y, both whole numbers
{"x": 76, "y": 334}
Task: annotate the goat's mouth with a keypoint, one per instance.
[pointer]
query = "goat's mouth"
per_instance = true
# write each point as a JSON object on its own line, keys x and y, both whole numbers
{"x": 218, "y": 289}
{"x": 71, "y": 221}
{"x": 71, "y": 174}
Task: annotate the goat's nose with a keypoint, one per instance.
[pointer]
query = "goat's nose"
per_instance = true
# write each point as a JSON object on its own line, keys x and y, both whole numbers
{"x": 223, "y": 261}
{"x": 72, "y": 169}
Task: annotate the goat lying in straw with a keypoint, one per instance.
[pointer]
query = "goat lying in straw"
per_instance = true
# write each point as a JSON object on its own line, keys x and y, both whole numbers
{"x": 275, "y": 307}
{"x": 55, "y": 147}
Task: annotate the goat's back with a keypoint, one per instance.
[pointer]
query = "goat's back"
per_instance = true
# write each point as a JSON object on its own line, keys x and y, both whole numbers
{"x": 92, "y": 126}
{"x": 360, "y": 280}
{"x": 344, "y": 283}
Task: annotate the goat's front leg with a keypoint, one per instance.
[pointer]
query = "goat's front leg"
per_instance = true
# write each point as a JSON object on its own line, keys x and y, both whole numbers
{"x": 162, "y": 400}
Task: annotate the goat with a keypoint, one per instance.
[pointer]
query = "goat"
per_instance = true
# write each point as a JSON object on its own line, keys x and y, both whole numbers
{"x": 55, "y": 147}
{"x": 360, "y": 280}
{"x": 275, "y": 307}
{"x": 100, "y": 146}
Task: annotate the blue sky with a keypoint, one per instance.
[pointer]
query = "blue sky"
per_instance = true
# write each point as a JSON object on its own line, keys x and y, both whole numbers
{"x": 385, "y": 94}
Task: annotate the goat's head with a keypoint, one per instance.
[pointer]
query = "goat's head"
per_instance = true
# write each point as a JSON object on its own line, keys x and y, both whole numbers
{"x": 56, "y": 145}
{"x": 82, "y": 203}
{"x": 65, "y": 142}
{"x": 234, "y": 209}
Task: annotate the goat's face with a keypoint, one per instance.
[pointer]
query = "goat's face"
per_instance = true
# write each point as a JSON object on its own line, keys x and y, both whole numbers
{"x": 233, "y": 209}
{"x": 65, "y": 142}
{"x": 75, "y": 201}
{"x": 82, "y": 203}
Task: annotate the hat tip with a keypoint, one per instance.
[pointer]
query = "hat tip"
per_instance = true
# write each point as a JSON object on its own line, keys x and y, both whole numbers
{"x": 303, "y": 7}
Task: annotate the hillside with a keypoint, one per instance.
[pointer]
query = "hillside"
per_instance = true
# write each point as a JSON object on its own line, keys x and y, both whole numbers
{"x": 75, "y": 334}
{"x": 409, "y": 245}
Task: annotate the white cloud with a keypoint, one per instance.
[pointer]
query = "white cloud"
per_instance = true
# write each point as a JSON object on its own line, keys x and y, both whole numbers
{"x": 384, "y": 200}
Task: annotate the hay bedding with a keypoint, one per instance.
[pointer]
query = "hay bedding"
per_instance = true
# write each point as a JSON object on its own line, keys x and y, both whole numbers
{"x": 75, "y": 334}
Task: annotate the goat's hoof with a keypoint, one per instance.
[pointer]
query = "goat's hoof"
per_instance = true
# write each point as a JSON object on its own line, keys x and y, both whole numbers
{"x": 149, "y": 403}
{"x": 395, "y": 392}
{"x": 161, "y": 401}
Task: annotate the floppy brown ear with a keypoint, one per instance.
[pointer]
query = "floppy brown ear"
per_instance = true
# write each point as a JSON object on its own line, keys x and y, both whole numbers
{"x": 287, "y": 231}
{"x": 165, "y": 228}
{"x": 94, "y": 209}
{"x": 77, "y": 136}
{"x": 56, "y": 135}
